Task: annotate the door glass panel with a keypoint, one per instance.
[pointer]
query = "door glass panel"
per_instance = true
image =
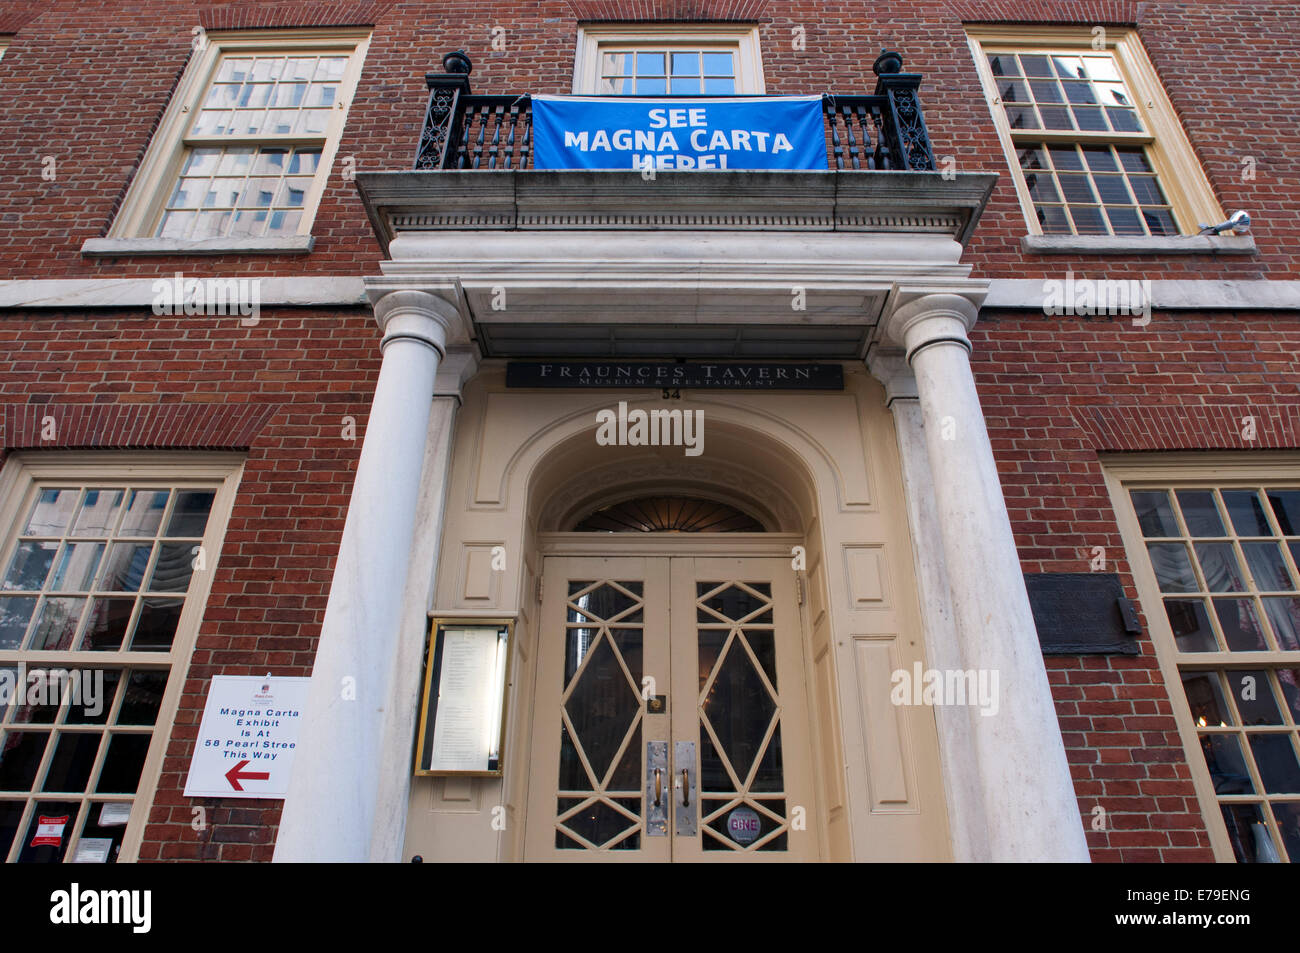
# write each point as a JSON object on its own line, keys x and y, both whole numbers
{"x": 602, "y": 707}
{"x": 735, "y": 604}
{"x": 768, "y": 777}
{"x": 573, "y": 776}
{"x": 627, "y": 776}
{"x": 628, "y": 641}
{"x": 599, "y": 822}
{"x": 728, "y": 744}
{"x": 739, "y": 709}
{"x": 739, "y": 714}
{"x": 599, "y": 806}
{"x": 711, "y": 643}
{"x": 731, "y": 821}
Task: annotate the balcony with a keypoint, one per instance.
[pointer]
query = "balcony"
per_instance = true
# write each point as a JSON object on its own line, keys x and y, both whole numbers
{"x": 881, "y": 132}
{"x": 728, "y": 262}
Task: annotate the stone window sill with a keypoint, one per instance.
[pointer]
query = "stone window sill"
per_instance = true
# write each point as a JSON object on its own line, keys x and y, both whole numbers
{"x": 1124, "y": 245}
{"x": 132, "y": 247}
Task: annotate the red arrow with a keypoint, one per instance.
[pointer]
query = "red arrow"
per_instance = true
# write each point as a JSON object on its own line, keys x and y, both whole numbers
{"x": 234, "y": 775}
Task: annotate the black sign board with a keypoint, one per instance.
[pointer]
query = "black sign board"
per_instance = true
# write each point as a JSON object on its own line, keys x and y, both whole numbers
{"x": 1082, "y": 613}
{"x": 723, "y": 375}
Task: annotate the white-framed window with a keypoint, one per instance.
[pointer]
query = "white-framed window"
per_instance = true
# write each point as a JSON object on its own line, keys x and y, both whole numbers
{"x": 665, "y": 60}
{"x": 1215, "y": 548}
{"x": 1094, "y": 145}
{"x": 105, "y": 565}
{"x": 246, "y": 146}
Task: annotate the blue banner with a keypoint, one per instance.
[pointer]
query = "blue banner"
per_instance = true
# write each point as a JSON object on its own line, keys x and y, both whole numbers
{"x": 696, "y": 133}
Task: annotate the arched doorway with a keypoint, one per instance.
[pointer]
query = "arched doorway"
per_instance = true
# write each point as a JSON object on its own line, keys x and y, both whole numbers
{"x": 669, "y": 710}
{"x": 536, "y": 504}
{"x": 670, "y": 714}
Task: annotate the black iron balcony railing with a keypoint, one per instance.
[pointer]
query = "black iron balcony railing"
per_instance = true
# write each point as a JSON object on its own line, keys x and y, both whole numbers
{"x": 884, "y": 131}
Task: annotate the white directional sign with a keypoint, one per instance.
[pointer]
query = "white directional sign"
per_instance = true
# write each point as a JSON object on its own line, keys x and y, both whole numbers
{"x": 247, "y": 738}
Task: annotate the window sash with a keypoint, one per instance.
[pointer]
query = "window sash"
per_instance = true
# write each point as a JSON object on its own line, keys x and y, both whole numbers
{"x": 595, "y": 41}
{"x": 1067, "y": 104}
{"x": 22, "y": 479}
{"x": 1177, "y": 168}
{"x": 143, "y": 210}
{"x": 1244, "y": 721}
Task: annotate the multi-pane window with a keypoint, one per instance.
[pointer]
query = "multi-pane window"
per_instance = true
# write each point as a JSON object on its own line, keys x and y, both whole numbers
{"x": 254, "y": 147}
{"x": 657, "y": 71}
{"x": 1224, "y": 560}
{"x": 666, "y": 60}
{"x": 1095, "y": 146}
{"x": 1064, "y": 92}
{"x": 245, "y": 148}
{"x": 96, "y": 579}
{"x": 1081, "y": 186}
{"x": 1095, "y": 190}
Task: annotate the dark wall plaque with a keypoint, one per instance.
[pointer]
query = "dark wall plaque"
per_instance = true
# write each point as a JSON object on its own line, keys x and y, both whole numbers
{"x": 723, "y": 375}
{"x": 1082, "y": 613}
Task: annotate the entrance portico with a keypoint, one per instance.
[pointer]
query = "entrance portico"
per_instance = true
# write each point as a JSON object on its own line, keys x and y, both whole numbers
{"x": 770, "y": 266}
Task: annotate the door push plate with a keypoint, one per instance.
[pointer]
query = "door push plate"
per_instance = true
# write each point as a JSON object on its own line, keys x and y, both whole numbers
{"x": 684, "y": 786}
{"x": 658, "y": 790}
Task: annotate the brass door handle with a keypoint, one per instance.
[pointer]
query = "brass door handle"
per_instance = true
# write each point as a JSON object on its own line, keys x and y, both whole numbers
{"x": 684, "y": 811}
{"x": 656, "y": 769}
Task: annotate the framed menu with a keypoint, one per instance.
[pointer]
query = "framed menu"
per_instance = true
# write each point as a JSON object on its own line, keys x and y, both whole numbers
{"x": 462, "y": 718}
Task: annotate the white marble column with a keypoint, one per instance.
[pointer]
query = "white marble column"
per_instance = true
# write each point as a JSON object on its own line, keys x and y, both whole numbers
{"x": 343, "y": 785}
{"x": 967, "y": 823}
{"x": 458, "y": 366}
{"x": 1029, "y": 803}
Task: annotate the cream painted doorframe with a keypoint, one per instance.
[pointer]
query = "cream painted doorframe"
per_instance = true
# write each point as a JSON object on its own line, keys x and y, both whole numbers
{"x": 671, "y": 717}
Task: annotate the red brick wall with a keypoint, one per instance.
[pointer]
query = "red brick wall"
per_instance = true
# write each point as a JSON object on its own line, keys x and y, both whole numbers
{"x": 279, "y": 390}
{"x": 1056, "y": 392}
{"x": 87, "y": 81}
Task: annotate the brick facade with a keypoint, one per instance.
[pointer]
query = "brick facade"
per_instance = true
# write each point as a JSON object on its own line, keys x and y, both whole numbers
{"x": 124, "y": 58}
{"x": 87, "y": 82}
{"x": 280, "y": 391}
{"x": 1058, "y": 391}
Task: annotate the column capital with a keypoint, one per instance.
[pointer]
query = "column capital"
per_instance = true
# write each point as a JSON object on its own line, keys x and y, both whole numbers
{"x": 922, "y": 316}
{"x": 890, "y": 367}
{"x": 457, "y": 367}
{"x": 411, "y": 314}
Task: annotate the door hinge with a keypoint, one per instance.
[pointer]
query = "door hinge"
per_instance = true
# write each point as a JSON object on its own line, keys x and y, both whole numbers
{"x": 798, "y": 584}
{"x": 540, "y": 577}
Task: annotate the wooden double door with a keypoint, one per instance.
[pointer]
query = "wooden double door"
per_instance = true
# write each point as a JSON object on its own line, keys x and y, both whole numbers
{"x": 671, "y": 716}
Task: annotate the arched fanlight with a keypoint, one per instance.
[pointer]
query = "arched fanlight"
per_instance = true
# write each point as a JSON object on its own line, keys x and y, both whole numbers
{"x": 669, "y": 514}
